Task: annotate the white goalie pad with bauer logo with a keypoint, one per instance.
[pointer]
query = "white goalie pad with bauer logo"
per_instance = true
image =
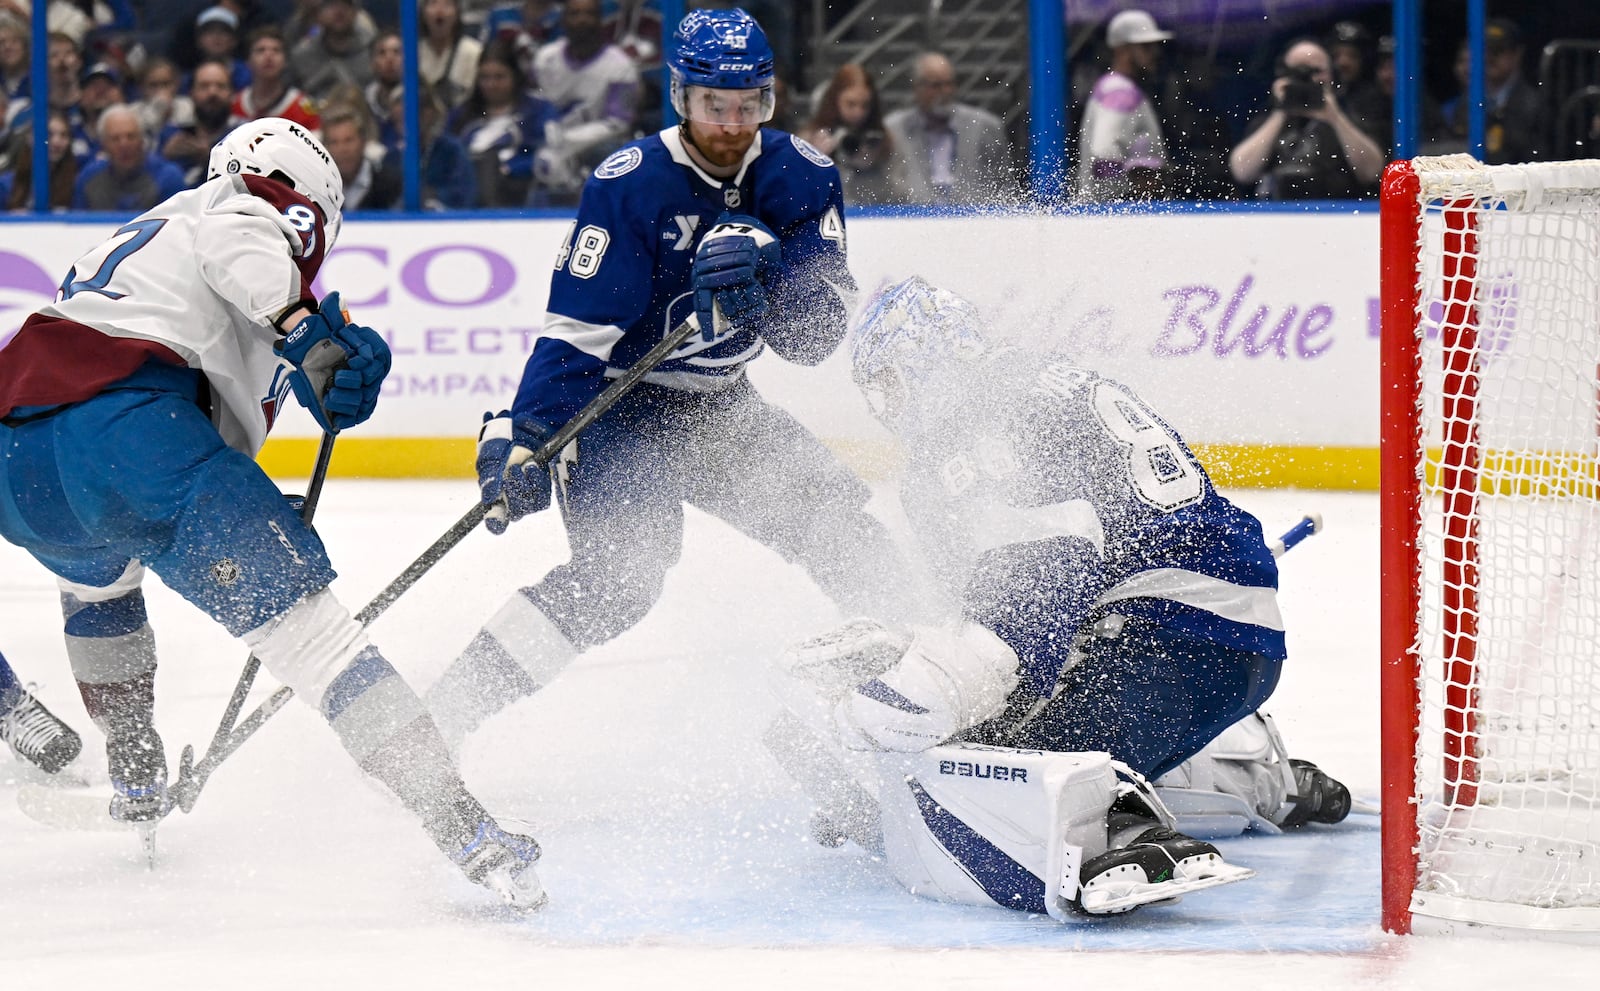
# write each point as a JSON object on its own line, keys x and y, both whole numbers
{"x": 995, "y": 826}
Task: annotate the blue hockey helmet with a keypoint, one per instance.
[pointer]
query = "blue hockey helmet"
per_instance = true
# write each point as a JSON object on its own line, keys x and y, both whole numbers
{"x": 722, "y": 50}
{"x": 911, "y": 344}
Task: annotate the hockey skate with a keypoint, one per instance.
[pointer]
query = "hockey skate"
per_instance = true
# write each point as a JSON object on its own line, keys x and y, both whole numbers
{"x": 137, "y": 760}
{"x": 503, "y": 862}
{"x": 1317, "y": 797}
{"x": 1158, "y": 867}
{"x": 36, "y": 736}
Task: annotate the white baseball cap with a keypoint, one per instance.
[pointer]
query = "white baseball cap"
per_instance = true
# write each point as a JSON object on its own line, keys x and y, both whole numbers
{"x": 1133, "y": 27}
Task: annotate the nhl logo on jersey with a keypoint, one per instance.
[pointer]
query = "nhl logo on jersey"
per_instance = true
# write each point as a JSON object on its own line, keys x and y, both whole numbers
{"x": 810, "y": 151}
{"x": 619, "y": 163}
{"x": 225, "y": 572}
{"x": 730, "y": 196}
{"x": 233, "y": 166}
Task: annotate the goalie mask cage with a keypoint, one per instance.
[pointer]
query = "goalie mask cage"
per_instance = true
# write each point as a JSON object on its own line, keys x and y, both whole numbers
{"x": 1490, "y": 582}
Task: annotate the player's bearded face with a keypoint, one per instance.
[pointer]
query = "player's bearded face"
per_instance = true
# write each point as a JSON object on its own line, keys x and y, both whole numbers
{"x": 723, "y": 122}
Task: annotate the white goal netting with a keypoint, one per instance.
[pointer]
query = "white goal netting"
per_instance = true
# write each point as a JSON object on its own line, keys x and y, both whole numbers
{"x": 1508, "y": 752}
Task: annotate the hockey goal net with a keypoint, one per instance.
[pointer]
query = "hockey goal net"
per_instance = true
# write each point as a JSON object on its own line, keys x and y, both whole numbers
{"x": 1491, "y": 546}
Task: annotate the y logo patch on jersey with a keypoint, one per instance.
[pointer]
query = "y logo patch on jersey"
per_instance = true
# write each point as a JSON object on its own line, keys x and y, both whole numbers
{"x": 619, "y": 163}
{"x": 810, "y": 151}
{"x": 683, "y": 237}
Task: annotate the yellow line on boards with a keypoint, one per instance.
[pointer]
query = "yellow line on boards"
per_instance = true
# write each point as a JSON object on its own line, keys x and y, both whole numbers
{"x": 1230, "y": 465}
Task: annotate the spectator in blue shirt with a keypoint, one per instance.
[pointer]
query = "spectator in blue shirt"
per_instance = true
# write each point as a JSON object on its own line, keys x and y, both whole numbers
{"x": 129, "y": 179}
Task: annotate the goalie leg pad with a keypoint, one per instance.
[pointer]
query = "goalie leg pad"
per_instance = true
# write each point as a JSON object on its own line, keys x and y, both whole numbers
{"x": 995, "y": 826}
{"x": 1241, "y": 780}
{"x": 839, "y": 660}
{"x": 946, "y": 682}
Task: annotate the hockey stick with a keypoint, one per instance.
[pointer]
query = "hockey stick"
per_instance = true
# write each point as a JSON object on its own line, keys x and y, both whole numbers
{"x": 71, "y": 810}
{"x": 187, "y": 787}
{"x": 192, "y": 778}
{"x": 1311, "y": 523}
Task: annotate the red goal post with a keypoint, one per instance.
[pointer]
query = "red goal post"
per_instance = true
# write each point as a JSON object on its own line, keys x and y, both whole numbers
{"x": 1490, "y": 639}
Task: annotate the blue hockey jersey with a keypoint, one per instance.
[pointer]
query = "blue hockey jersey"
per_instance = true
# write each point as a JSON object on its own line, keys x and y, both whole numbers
{"x": 622, "y": 278}
{"x": 1062, "y": 453}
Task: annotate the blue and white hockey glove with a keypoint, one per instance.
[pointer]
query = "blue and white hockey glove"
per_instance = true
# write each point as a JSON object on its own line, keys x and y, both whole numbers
{"x": 338, "y": 366}
{"x": 730, "y": 265}
{"x": 510, "y": 482}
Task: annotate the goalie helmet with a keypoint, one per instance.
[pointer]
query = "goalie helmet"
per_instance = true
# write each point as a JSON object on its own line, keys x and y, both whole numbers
{"x": 281, "y": 149}
{"x": 911, "y": 345}
{"x": 721, "y": 50}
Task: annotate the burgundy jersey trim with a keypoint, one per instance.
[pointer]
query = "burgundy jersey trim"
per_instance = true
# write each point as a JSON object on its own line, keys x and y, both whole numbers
{"x": 52, "y": 362}
{"x": 313, "y": 240}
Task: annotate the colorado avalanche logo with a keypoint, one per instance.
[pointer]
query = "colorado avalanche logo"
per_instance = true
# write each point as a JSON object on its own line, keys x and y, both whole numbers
{"x": 620, "y": 163}
{"x": 277, "y": 392}
{"x": 809, "y": 150}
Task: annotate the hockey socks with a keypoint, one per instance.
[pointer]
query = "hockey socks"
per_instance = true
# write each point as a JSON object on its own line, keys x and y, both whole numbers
{"x": 515, "y": 654}
{"x": 383, "y": 725}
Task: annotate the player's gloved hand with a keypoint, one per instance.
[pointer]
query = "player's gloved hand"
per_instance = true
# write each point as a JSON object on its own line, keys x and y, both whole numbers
{"x": 729, "y": 267}
{"x": 510, "y": 482}
{"x": 338, "y": 366}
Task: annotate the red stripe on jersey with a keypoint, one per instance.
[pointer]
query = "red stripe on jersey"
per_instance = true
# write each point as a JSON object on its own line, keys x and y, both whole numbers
{"x": 313, "y": 242}
{"x": 51, "y": 362}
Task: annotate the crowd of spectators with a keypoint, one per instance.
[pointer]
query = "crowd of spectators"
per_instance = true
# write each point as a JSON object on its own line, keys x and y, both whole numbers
{"x": 1323, "y": 129}
{"x": 517, "y": 102}
{"x": 520, "y": 100}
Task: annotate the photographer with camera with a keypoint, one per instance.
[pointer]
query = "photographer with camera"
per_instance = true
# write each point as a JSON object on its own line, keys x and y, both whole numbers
{"x": 1306, "y": 146}
{"x": 848, "y": 125}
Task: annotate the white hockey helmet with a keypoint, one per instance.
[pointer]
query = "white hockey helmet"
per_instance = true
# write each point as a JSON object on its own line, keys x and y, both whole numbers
{"x": 910, "y": 343}
{"x": 281, "y": 149}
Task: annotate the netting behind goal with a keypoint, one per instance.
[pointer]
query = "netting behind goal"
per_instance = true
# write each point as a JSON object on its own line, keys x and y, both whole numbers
{"x": 1491, "y": 556}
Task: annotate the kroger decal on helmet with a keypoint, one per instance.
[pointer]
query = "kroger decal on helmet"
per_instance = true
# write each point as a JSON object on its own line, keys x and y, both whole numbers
{"x": 722, "y": 69}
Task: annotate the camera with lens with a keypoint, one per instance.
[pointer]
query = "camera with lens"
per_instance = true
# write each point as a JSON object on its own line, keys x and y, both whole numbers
{"x": 1302, "y": 92}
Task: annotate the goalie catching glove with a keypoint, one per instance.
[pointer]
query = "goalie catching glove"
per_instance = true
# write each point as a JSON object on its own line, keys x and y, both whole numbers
{"x": 339, "y": 366}
{"x": 731, "y": 267}
{"x": 510, "y": 482}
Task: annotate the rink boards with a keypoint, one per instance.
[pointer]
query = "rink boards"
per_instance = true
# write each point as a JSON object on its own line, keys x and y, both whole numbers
{"x": 1255, "y": 332}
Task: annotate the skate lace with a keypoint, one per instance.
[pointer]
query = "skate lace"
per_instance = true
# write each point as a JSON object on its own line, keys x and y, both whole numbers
{"x": 28, "y": 728}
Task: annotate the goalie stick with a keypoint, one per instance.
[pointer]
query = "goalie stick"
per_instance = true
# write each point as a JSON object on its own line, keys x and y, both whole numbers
{"x": 1309, "y": 524}
{"x": 192, "y": 775}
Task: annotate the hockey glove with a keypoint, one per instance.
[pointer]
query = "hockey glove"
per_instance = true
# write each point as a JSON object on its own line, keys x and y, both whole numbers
{"x": 510, "y": 482}
{"x": 338, "y": 366}
{"x": 730, "y": 266}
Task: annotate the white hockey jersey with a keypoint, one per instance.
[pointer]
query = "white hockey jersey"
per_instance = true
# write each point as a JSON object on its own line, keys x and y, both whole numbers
{"x": 594, "y": 100}
{"x": 197, "y": 281}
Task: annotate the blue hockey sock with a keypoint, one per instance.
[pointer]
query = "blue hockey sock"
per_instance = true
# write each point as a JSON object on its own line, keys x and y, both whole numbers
{"x": 10, "y": 687}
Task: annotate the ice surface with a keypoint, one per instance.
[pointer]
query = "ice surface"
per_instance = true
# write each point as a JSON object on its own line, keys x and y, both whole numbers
{"x": 676, "y": 854}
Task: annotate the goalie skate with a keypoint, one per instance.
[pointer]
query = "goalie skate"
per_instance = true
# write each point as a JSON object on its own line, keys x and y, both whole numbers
{"x": 1159, "y": 867}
